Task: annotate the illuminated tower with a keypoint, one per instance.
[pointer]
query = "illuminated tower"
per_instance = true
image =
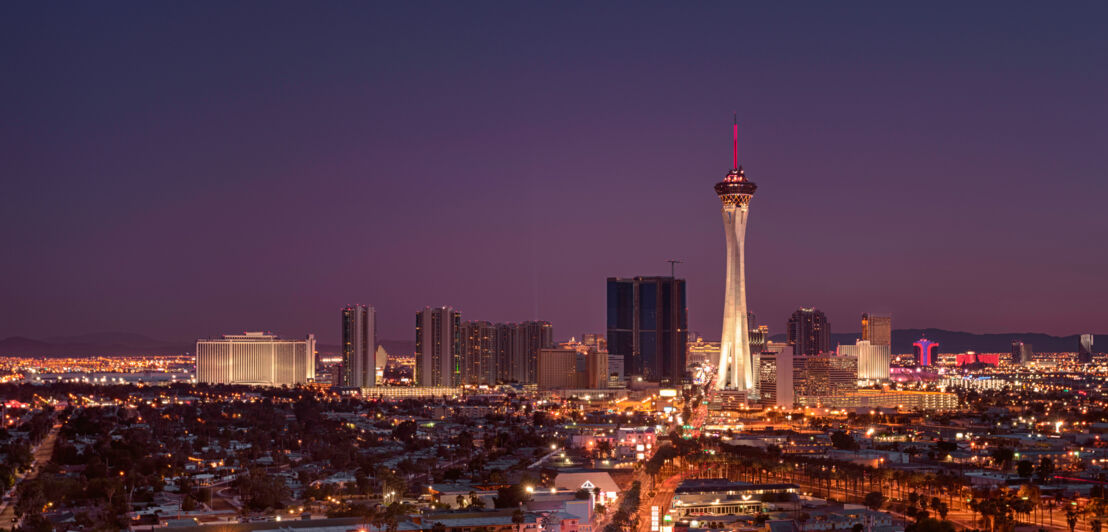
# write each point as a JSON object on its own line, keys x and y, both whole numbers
{"x": 927, "y": 352}
{"x": 735, "y": 363}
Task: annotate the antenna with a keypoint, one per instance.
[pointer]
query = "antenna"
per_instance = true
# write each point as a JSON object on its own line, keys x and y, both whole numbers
{"x": 672, "y": 266}
{"x": 735, "y": 143}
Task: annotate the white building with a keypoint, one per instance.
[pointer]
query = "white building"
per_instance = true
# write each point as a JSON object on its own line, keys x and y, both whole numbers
{"x": 775, "y": 377}
{"x": 873, "y": 359}
{"x": 255, "y": 358}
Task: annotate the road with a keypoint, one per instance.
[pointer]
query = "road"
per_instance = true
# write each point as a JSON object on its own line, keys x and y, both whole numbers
{"x": 42, "y": 455}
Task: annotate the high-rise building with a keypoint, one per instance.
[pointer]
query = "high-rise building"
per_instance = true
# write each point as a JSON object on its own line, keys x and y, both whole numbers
{"x": 775, "y": 375}
{"x": 873, "y": 359}
{"x": 596, "y": 369}
{"x": 927, "y": 352}
{"x": 1022, "y": 353}
{"x": 877, "y": 329}
{"x": 557, "y": 369}
{"x": 255, "y": 358}
{"x": 648, "y": 327}
{"x": 824, "y": 375}
{"x": 438, "y": 347}
{"x": 502, "y": 352}
{"x": 736, "y": 366}
{"x": 1085, "y": 349}
{"x": 359, "y": 346}
{"x": 479, "y": 345}
{"x": 758, "y": 338}
{"x": 530, "y": 337}
{"x": 809, "y": 332}
{"x": 505, "y": 349}
{"x": 570, "y": 368}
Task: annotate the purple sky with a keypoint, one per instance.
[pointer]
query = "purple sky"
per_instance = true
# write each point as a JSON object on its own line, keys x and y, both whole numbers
{"x": 185, "y": 169}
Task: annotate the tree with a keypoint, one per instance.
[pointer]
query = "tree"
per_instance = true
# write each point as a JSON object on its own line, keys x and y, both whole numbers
{"x": 930, "y": 524}
{"x": 1024, "y": 468}
{"x": 510, "y": 496}
{"x": 874, "y": 500}
{"x": 1002, "y": 457}
{"x": 843, "y": 441}
{"x": 405, "y": 432}
{"x": 1071, "y": 516}
{"x": 1046, "y": 469}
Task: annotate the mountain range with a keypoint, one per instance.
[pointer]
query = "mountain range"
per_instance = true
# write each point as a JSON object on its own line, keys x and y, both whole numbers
{"x": 960, "y": 342}
{"x": 119, "y": 343}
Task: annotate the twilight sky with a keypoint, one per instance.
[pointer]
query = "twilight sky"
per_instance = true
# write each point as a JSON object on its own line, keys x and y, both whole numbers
{"x": 185, "y": 169}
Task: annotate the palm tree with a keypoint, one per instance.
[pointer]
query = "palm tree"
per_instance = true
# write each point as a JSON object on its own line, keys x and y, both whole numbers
{"x": 518, "y": 518}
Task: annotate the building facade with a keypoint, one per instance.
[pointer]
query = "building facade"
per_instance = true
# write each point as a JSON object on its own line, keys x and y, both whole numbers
{"x": 438, "y": 347}
{"x": 494, "y": 353}
{"x": 824, "y": 375}
{"x": 529, "y": 338}
{"x": 1022, "y": 353}
{"x": 648, "y": 327}
{"x": 479, "y": 352}
{"x": 809, "y": 332}
{"x": 873, "y": 359}
{"x": 877, "y": 329}
{"x": 775, "y": 375}
{"x": 256, "y": 359}
{"x": 359, "y": 346}
{"x": 1085, "y": 349}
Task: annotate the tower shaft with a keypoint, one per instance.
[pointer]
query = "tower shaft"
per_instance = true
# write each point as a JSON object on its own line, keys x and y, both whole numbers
{"x": 736, "y": 363}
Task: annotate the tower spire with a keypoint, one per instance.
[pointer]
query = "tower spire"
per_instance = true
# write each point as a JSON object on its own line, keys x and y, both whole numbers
{"x": 735, "y": 143}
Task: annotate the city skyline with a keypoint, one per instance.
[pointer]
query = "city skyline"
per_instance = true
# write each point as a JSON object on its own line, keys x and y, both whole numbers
{"x": 137, "y": 187}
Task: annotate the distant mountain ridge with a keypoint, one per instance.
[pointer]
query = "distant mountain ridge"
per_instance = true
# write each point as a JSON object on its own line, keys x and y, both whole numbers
{"x": 960, "y": 342}
{"x": 94, "y": 344}
{"x": 121, "y": 343}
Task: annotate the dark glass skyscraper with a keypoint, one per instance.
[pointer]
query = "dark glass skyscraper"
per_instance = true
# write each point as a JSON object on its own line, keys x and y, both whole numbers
{"x": 648, "y": 326}
{"x": 809, "y": 332}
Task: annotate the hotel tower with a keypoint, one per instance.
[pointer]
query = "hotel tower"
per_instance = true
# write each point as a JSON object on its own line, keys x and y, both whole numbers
{"x": 735, "y": 361}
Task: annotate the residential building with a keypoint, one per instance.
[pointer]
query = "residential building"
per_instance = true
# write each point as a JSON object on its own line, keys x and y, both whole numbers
{"x": 438, "y": 347}
{"x": 359, "y": 346}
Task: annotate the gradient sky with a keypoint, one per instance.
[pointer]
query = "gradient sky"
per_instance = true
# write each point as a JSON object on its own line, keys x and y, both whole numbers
{"x": 185, "y": 169}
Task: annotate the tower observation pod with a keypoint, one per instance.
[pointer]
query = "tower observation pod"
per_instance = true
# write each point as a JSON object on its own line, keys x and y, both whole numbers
{"x": 735, "y": 361}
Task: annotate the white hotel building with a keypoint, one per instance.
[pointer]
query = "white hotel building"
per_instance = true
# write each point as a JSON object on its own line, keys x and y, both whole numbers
{"x": 873, "y": 359}
{"x": 256, "y": 359}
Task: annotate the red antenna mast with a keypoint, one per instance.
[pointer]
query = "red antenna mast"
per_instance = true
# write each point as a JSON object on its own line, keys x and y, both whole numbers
{"x": 735, "y": 143}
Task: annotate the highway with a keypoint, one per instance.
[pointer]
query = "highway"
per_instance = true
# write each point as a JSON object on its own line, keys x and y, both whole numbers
{"x": 42, "y": 455}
